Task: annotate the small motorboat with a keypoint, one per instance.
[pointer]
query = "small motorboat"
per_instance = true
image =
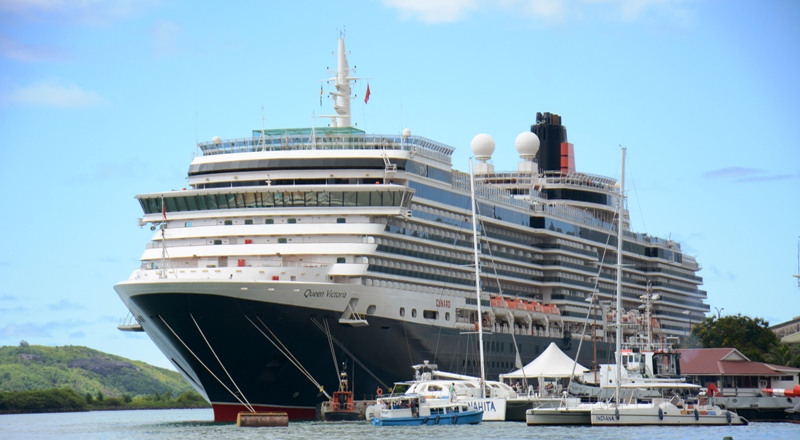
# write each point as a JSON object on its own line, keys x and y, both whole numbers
{"x": 412, "y": 410}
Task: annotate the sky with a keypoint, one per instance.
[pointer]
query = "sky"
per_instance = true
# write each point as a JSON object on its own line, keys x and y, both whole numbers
{"x": 101, "y": 100}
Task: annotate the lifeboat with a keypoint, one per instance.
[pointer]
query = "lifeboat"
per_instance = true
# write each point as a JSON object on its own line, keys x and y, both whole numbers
{"x": 518, "y": 309}
{"x": 552, "y": 312}
{"x": 499, "y": 306}
{"x": 655, "y": 326}
{"x": 537, "y": 313}
{"x": 630, "y": 322}
{"x": 521, "y": 316}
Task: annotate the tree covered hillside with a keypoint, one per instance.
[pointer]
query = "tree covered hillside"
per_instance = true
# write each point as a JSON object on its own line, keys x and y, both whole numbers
{"x": 87, "y": 371}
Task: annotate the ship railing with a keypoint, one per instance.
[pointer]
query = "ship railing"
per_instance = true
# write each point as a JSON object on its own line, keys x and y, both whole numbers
{"x": 152, "y": 265}
{"x": 583, "y": 179}
{"x": 353, "y": 141}
{"x": 574, "y": 214}
{"x": 488, "y": 192}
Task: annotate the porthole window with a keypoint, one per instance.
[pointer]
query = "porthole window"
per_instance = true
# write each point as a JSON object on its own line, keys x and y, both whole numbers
{"x": 402, "y": 311}
{"x": 228, "y": 222}
{"x": 413, "y": 313}
{"x": 248, "y": 221}
{"x": 447, "y": 316}
{"x": 341, "y": 220}
{"x": 292, "y": 220}
{"x": 269, "y": 221}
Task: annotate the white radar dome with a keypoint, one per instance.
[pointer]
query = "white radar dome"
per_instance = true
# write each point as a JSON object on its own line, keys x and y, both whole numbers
{"x": 527, "y": 144}
{"x": 216, "y": 140}
{"x": 482, "y": 146}
{"x": 406, "y": 132}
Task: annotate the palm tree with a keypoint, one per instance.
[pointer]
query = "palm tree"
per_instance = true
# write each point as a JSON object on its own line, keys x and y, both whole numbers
{"x": 784, "y": 354}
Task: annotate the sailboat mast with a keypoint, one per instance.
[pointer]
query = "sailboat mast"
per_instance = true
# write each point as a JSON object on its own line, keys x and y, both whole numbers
{"x": 477, "y": 274}
{"x": 620, "y": 200}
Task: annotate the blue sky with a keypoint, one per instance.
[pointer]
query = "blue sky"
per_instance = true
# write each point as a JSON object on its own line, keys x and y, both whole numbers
{"x": 101, "y": 100}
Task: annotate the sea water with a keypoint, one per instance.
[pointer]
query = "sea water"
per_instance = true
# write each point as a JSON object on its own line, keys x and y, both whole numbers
{"x": 198, "y": 424}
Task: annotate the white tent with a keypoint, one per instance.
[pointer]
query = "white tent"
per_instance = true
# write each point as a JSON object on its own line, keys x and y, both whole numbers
{"x": 551, "y": 363}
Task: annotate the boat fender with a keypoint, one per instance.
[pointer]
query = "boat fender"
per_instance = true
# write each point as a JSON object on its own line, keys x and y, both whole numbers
{"x": 425, "y": 421}
{"x": 455, "y": 419}
{"x": 616, "y": 413}
{"x": 696, "y": 414}
{"x": 660, "y": 414}
{"x": 437, "y": 420}
{"x": 728, "y": 416}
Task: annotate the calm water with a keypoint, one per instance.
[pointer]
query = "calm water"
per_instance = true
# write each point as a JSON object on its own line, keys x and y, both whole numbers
{"x": 196, "y": 424}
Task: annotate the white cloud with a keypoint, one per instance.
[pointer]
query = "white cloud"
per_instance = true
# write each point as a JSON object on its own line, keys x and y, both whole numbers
{"x": 75, "y": 11}
{"x": 747, "y": 175}
{"x": 12, "y": 49}
{"x": 66, "y": 304}
{"x": 546, "y": 11}
{"x": 55, "y": 94}
{"x": 436, "y": 11}
{"x": 33, "y": 329}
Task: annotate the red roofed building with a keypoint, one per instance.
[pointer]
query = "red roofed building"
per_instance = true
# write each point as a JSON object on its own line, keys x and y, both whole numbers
{"x": 732, "y": 372}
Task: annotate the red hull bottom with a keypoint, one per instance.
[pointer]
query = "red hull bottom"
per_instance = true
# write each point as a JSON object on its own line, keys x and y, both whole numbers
{"x": 228, "y": 412}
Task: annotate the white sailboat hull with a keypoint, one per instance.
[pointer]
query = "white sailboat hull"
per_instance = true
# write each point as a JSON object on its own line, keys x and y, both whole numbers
{"x": 558, "y": 416}
{"x": 665, "y": 414}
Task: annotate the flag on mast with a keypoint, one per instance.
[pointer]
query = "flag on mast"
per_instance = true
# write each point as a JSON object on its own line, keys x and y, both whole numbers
{"x": 366, "y": 97}
{"x": 320, "y": 95}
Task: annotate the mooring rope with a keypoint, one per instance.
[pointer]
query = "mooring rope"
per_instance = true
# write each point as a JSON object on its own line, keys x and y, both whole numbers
{"x": 204, "y": 365}
{"x": 347, "y": 352}
{"x": 333, "y": 351}
{"x": 250, "y": 407}
{"x": 284, "y": 351}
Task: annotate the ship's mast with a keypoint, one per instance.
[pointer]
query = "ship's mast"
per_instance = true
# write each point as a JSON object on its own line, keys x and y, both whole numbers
{"x": 341, "y": 80}
{"x": 477, "y": 275}
{"x": 620, "y": 200}
{"x": 797, "y": 275}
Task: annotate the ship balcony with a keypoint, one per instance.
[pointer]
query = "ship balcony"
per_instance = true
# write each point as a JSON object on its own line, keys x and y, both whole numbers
{"x": 282, "y": 272}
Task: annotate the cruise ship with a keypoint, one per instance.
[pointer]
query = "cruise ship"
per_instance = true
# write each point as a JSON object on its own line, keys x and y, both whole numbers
{"x": 293, "y": 251}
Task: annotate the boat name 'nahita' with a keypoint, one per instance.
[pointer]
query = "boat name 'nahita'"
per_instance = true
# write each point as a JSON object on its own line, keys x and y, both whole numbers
{"x": 319, "y": 294}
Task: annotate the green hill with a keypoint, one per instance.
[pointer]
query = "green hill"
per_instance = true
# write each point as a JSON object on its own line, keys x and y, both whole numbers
{"x": 36, "y": 367}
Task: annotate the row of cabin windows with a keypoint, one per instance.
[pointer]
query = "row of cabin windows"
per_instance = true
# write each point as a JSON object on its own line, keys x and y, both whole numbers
{"x": 427, "y": 314}
{"x": 283, "y": 240}
{"x": 280, "y": 240}
{"x": 489, "y": 364}
{"x": 268, "y": 221}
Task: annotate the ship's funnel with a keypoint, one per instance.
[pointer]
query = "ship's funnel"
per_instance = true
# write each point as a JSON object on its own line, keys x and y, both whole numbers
{"x": 555, "y": 153}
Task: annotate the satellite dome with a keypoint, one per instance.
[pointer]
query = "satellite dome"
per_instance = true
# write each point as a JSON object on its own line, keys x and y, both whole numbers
{"x": 406, "y": 132}
{"x": 527, "y": 144}
{"x": 482, "y": 146}
{"x": 216, "y": 140}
